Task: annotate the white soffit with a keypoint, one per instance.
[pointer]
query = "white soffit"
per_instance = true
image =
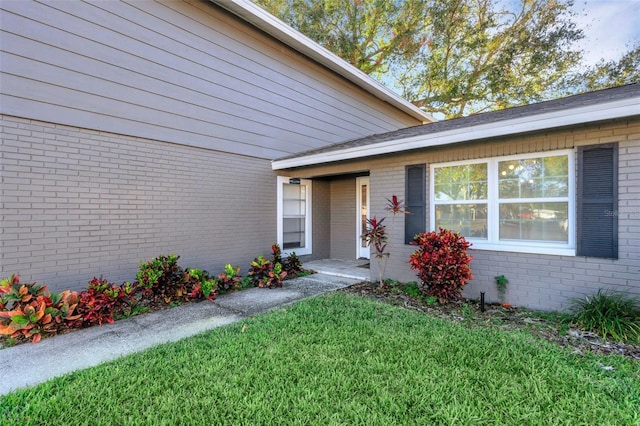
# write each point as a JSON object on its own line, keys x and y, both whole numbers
{"x": 268, "y": 23}
{"x": 543, "y": 121}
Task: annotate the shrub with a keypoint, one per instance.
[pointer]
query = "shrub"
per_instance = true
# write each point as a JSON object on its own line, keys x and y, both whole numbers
{"x": 30, "y": 311}
{"x": 246, "y": 283}
{"x": 274, "y": 277}
{"x": 65, "y": 308}
{"x": 292, "y": 264}
{"x": 376, "y": 236}
{"x": 264, "y": 273}
{"x": 442, "y": 264}
{"x": 162, "y": 279}
{"x": 276, "y": 253}
{"x": 104, "y": 301}
{"x": 412, "y": 289}
{"x": 230, "y": 279}
{"x": 608, "y": 314}
{"x": 501, "y": 283}
{"x": 258, "y": 270}
{"x": 199, "y": 285}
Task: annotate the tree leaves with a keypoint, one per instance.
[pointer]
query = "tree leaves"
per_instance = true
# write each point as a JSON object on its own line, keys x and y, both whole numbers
{"x": 612, "y": 73}
{"x": 453, "y": 58}
{"x": 482, "y": 55}
{"x": 369, "y": 34}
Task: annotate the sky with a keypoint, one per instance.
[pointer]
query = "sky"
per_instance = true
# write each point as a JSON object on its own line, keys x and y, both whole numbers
{"x": 610, "y": 27}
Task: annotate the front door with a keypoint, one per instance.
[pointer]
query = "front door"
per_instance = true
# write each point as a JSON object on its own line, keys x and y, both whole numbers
{"x": 362, "y": 214}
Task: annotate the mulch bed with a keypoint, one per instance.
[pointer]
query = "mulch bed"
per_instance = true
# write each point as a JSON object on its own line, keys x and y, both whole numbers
{"x": 497, "y": 316}
{"x": 468, "y": 312}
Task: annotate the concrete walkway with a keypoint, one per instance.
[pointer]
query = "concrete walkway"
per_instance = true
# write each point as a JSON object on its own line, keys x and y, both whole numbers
{"x": 29, "y": 364}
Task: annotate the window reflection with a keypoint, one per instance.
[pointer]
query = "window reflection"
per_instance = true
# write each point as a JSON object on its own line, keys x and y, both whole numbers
{"x": 506, "y": 199}
{"x": 467, "y": 219}
{"x": 534, "y": 221}
{"x": 544, "y": 177}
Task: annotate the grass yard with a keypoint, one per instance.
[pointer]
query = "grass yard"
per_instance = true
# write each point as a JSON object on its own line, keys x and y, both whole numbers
{"x": 341, "y": 360}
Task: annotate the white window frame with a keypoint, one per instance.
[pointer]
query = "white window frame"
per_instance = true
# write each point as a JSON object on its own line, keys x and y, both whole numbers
{"x": 362, "y": 252}
{"x": 307, "y": 249}
{"x": 493, "y": 218}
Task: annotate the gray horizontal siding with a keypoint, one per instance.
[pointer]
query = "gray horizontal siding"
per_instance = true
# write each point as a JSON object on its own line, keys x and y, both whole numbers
{"x": 182, "y": 72}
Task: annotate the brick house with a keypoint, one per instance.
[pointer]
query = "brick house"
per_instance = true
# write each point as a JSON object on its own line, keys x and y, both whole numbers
{"x": 134, "y": 129}
{"x": 547, "y": 193}
{"x": 210, "y": 129}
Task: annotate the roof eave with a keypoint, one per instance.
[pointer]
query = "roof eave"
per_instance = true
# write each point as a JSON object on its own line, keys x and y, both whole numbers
{"x": 570, "y": 117}
{"x": 271, "y": 25}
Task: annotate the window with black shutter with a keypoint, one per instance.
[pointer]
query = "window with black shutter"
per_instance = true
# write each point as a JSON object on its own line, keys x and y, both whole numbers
{"x": 597, "y": 201}
{"x": 415, "y": 201}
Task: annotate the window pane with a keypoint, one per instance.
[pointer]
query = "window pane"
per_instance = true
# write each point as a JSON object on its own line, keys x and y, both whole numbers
{"x": 294, "y": 203}
{"x": 464, "y": 182}
{"x": 469, "y": 220}
{"x": 293, "y": 207}
{"x": 294, "y": 210}
{"x": 295, "y": 190}
{"x": 534, "y": 178}
{"x": 293, "y": 233}
{"x": 534, "y": 221}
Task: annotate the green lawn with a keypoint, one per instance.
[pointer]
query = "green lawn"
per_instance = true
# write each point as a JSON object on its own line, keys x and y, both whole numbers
{"x": 341, "y": 360}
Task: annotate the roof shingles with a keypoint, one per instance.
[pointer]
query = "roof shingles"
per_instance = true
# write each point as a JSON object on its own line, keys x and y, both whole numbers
{"x": 562, "y": 104}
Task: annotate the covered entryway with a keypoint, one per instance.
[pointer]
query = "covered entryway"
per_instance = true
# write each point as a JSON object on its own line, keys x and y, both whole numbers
{"x": 337, "y": 209}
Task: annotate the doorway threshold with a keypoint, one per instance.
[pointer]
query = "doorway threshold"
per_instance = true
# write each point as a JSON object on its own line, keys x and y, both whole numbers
{"x": 355, "y": 269}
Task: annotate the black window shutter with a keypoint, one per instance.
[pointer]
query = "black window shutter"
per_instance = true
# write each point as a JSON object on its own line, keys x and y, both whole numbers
{"x": 415, "y": 201}
{"x": 597, "y": 201}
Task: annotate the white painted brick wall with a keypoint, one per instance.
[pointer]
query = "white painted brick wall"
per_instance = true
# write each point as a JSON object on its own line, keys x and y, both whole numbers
{"x": 77, "y": 203}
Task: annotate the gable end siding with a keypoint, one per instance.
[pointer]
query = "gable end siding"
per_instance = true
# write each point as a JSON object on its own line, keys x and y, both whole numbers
{"x": 181, "y": 72}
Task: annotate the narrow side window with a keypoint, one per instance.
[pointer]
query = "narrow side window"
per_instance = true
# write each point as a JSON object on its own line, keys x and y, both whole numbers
{"x": 294, "y": 215}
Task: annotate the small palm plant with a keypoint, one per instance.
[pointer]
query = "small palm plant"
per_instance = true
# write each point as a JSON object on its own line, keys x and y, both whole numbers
{"x": 376, "y": 234}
